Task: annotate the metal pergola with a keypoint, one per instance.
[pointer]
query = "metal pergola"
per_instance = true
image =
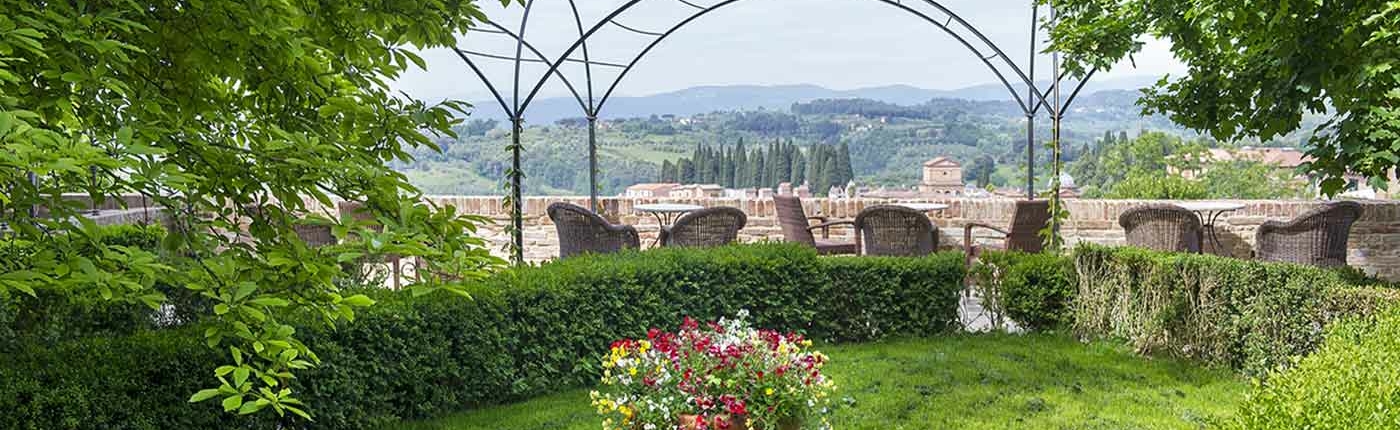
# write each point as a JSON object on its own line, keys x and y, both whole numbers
{"x": 931, "y": 12}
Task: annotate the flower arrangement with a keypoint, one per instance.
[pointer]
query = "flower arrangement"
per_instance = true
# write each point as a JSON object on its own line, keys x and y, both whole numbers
{"x": 716, "y": 376}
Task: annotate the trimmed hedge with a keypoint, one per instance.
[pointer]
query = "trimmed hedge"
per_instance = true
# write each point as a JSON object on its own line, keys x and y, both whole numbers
{"x": 1248, "y": 315}
{"x": 51, "y": 317}
{"x": 1034, "y": 290}
{"x": 1348, "y": 383}
{"x": 525, "y": 332}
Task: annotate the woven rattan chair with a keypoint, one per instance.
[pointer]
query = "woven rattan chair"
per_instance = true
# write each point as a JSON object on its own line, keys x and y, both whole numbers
{"x": 1162, "y": 227}
{"x": 582, "y": 231}
{"x": 716, "y": 226}
{"x": 895, "y": 231}
{"x": 1024, "y": 235}
{"x": 1318, "y": 237}
{"x": 797, "y": 227}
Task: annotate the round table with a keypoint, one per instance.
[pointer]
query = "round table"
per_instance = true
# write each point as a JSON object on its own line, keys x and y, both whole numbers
{"x": 923, "y": 207}
{"x": 1210, "y": 214}
{"x": 666, "y": 214}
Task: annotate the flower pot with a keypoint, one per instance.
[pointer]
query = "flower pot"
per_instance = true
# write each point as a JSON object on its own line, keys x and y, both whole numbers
{"x": 731, "y": 422}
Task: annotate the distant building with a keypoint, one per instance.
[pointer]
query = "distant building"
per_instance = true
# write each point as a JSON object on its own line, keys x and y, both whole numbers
{"x": 697, "y": 191}
{"x": 1286, "y": 159}
{"x": 650, "y": 190}
{"x": 942, "y": 177}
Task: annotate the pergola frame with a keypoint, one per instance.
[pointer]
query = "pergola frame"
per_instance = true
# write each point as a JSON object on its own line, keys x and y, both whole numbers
{"x": 515, "y": 107}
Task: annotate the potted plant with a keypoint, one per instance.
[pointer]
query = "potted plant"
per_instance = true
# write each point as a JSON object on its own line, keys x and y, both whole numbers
{"x": 714, "y": 376}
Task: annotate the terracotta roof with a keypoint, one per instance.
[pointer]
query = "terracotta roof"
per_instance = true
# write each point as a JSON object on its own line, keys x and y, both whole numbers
{"x": 941, "y": 162}
{"x": 1282, "y": 157}
{"x": 652, "y": 187}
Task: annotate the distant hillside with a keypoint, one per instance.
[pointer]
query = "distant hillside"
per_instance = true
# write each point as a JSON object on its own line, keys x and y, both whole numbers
{"x": 705, "y": 99}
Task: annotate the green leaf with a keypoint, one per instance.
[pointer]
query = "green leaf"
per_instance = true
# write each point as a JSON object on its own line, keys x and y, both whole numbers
{"x": 232, "y": 403}
{"x": 203, "y": 395}
{"x": 358, "y": 300}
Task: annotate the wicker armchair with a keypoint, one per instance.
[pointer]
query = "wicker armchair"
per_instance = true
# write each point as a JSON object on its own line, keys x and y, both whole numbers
{"x": 797, "y": 227}
{"x": 582, "y": 231}
{"x": 895, "y": 231}
{"x": 1318, "y": 237}
{"x": 1163, "y": 227}
{"x": 716, "y": 226}
{"x": 1024, "y": 235}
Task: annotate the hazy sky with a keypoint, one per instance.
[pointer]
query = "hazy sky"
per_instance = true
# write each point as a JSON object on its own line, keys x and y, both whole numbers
{"x": 839, "y": 44}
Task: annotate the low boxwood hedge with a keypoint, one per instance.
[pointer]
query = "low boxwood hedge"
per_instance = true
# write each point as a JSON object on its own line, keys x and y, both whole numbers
{"x": 525, "y": 331}
{"x": 1348, "y": 383}
{"x": 1248, "y": 315}
{"x": 1036, "y": 291}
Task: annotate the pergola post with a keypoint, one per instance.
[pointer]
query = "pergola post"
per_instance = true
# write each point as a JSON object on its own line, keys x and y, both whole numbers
{"x": 593, "y": 163}
{"x": 517, "y": 217}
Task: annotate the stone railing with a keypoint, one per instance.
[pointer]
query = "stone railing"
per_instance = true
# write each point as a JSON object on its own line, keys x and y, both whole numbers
{"x": 1374, "y": 246}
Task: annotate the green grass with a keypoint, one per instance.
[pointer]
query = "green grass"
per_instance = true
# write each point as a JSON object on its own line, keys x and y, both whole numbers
{"x": 965, "y": 382}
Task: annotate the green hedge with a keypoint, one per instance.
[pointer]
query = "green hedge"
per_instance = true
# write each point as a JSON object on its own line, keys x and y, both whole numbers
{"x": 525, "y": 332}
{"x": 1034, "y": 290}
{"x": 1248, "y": 315}
{"x": 50, "y": 317}
{"x": 1348, "y": 383}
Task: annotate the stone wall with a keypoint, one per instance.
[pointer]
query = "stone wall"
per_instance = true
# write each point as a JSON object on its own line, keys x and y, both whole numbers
{"x": 1374, "y": 247}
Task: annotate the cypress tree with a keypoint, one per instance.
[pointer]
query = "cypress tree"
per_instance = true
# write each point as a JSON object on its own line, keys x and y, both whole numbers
{"x": 687, "y": 171}
{"x": 756, "y": 168}
{"x": 814, "y": 165}
{"x": 828, "y": 174}
{"x": 668, "y": 172}
{"x": 799, "y": 168}
{"x": 701, "y": 171}
{"x": 741, "y": 166}
{"x": 844, "y": 172}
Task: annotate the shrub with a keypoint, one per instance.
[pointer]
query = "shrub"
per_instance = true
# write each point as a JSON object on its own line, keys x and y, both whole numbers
{"x": 1348, "y": 383}
{"x": 525, "y": 331}
{"x": 51, "y": 316}
{"x": 1247, "y": 315}
{"x": 1034, "y": 290}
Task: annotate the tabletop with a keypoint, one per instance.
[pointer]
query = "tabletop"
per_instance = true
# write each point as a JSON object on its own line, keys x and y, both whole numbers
{"x": 1210, "y": 206}
{"x": 667, "y": 207}
{"x": 923, "y": 207}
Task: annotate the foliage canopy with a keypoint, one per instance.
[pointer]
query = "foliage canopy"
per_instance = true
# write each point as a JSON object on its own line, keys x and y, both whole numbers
{"x": 230, "y": 115}
{"x": 1256, "y": 67}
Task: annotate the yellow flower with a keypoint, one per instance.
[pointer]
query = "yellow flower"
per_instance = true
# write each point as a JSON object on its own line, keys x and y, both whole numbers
{"x": 632, "y": 371}
{"x": 769, "y": 391}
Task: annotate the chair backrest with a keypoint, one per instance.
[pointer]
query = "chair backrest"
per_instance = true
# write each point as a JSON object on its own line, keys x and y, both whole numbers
{"x": 715, "y": 226}
{"x": 1030, "y": 218}
{"x": 582, "y": 231}
{"x": 1162, "y": 227}
{"x": 895, "y": 231}
{"x": 1318, "y": 237}
{"x": 793, "y": 219}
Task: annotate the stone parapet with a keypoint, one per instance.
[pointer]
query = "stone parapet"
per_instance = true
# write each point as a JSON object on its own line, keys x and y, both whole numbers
{"x": 1374, "y": 246}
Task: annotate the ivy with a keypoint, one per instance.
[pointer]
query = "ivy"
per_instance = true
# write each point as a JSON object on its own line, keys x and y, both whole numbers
{"x": 234, "y": 116}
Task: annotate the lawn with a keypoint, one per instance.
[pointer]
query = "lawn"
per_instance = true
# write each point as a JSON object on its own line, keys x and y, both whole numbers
{"x": 965, "y": 382}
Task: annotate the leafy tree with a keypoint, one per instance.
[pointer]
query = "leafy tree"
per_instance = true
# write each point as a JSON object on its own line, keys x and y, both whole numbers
{"x": 1157, "y": 187}
{"x": 982, "y": 169}
{"x": 1257, "y": 67}
{"x": 230, "y": 115}
{"x": 1251, "y": 179}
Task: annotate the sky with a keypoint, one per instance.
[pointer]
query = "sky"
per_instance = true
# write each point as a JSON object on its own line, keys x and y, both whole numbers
{"x": 839, "y": 44}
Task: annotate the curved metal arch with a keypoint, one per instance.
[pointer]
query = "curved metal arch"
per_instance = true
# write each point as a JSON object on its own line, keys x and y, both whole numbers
{"x": 1039, "y": 96}
{"x": 541, "y": 58}
{"x": 997, "y": 52}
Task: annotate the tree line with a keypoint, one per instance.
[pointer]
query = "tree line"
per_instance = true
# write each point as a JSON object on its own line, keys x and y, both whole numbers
{"x": 819, "y": 165}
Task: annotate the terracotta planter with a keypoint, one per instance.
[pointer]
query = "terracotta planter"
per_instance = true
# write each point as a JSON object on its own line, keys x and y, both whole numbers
{"x": 739, "y": 422}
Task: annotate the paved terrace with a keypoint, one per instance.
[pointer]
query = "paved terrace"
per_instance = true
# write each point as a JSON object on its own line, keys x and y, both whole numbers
{"x": 1374, "y": 247}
